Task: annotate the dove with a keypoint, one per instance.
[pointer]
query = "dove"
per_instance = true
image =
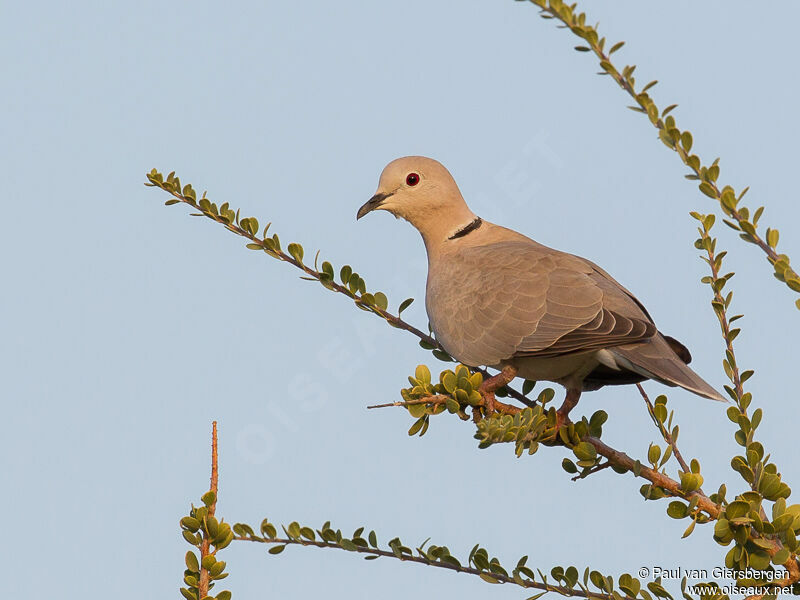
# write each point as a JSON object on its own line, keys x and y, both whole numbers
{"x": 496, "y": 298}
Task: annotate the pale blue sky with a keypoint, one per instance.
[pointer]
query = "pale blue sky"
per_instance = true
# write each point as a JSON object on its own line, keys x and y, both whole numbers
{"x": 129, "y": 326}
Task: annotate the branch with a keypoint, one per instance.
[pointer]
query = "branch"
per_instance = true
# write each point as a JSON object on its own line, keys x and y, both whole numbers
{"x": 666, "y": 483}
{"x": 527, "y": 427}
{"x": 675, "y": 139}
{"x": 212, "y": 507}
{"x": 592, "y": 470}
{"x": 489, "y": 570}
{"x": 202, "y": 530}
{"x": 668, "y": 437}
{"x": 762, "y": 476}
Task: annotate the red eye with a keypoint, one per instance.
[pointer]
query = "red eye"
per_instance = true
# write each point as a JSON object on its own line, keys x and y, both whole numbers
{"x": 412, "y": 179}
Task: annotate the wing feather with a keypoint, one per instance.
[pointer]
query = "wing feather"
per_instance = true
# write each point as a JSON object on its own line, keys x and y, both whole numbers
{"x": 518, "y": 298}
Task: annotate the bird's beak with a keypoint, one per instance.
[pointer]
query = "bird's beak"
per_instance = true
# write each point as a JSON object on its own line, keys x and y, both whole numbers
{"x": 372, "y": 204}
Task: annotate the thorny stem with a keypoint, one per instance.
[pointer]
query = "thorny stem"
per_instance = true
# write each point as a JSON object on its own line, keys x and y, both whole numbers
{"x": 525, "y": 583}
{"x": 664, "y": 433}
{"x": 206, "y": 543}
{"x": 720, "y": 304}
{"x": 576, "y": 23}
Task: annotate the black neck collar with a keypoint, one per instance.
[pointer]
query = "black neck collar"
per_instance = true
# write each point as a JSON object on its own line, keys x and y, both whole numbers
{"x": 467, "y": 229}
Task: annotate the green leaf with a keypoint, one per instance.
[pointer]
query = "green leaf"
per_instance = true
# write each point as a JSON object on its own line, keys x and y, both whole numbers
{"x": 404, "y": 305}
{"x": 772, "y": 237}
{"x": 736, "y": 509}
{"x": 653, "y": 453}
{"x": 191, "y": 561}
{"x": 585, "y": 451}
{"x": 296, "y": 252}
{"x": 686, "y": 140}
{"x": 448, "y": 381}
{"x": 294, "y": 529}
{"x": 677, "y": 510}
{"x": 381, "y": 301}
{"x": 190, "y": 523}
{"x": 345, "y": 273}
{"x": 708, "y": 189}
{"x": 669, "y": 109}
{"x": 423, "y": 374}
{"x": 417, "y": 426}
{"x": 690, "y": 482}
{"x": 188, "y": 595}
{"x": 277, "y": 549}
{"x": 192, "y": 538}
{"x": 569, "y": 466}
{"x": 780, "y": 557}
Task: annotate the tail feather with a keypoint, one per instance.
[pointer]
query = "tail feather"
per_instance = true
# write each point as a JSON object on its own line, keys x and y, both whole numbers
{"x": 656, "y": 359}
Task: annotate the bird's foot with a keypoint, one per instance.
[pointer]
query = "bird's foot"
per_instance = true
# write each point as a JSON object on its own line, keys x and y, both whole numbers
{"x": 491, "y": 385}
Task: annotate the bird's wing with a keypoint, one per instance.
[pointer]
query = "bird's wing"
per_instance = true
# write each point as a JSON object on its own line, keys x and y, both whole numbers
{"x": 517, "y": 298}
{"x": 577, "y": 289}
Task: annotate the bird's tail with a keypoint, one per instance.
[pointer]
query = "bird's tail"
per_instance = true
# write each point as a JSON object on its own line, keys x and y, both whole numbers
{"x": 657, "y": 359}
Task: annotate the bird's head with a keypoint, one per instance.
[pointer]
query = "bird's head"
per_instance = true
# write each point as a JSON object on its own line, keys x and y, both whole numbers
{"x": 421, "y": 191}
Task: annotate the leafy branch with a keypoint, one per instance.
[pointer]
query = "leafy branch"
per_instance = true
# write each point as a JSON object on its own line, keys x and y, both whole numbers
{"x": 202, "y": 530}
{"x": 759, "y": 541}
{"x": 658, "y": 413}
{"x": 527, "y": 428}
{"x": 568, "y": 581}
{"x": 679, "y": 141}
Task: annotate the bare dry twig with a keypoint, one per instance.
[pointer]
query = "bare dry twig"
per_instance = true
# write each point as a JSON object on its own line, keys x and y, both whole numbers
{"x": 206, "y": 543}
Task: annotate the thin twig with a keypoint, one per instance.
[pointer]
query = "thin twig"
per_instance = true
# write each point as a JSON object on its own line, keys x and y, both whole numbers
{"x": 214, "y": 468}
{"x": 501, "y": 407}
{"x": 206, "y": 543}
{"x": 663, "y": 430}
{"x": 593, "y": 470}
{"x": 437, "y": 399}
{"x": 499, "y": 577}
